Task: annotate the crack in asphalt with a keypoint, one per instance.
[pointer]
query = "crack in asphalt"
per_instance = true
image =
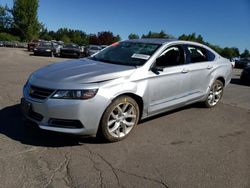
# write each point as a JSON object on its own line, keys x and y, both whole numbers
{"x": 98, "y": 170}
{"x": 103, "y": 159}
{"x": 143, "y": 177}
{"x": 55, "y": 171}
{"x": 68, "y": 180}
{"x": 122, "y": 171}
{"x": 64, "y": 165}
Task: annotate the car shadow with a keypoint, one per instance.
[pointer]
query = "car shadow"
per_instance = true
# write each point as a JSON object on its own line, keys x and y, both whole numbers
{"x": 236, "y": 81}
{"x": 13, "y": 126}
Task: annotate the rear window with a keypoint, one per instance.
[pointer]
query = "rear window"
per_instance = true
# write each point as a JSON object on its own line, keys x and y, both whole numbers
{"x": 197, "y": 54}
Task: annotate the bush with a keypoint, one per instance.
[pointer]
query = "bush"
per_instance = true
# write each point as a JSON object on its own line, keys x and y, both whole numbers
{"x": 8, "y": 37}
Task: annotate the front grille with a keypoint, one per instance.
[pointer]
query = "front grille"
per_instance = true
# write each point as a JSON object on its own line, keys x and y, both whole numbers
{"x": 35, "y": 116}
{"x": 39, "y": 93}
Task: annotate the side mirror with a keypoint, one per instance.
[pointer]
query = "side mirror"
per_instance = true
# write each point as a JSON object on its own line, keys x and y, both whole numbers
{"x": 156, "y": 69}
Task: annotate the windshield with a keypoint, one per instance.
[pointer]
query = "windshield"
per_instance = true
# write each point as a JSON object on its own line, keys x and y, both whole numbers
{"x": 71, "y": 46}
{"x": 45, "y": 44}
{"x": 95, "y": 48}
{"x": 127, "y": 53}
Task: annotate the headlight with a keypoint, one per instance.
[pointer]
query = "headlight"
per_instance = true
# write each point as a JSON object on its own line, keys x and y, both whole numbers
{"x": 35, "y": 49}
{"x": 48, "y": 50}
{"x": 75, "y": 94}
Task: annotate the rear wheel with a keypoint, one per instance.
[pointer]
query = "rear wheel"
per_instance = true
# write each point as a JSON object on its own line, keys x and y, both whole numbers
{"x": 215, "y": 94}
{"x": 119, "y": 119}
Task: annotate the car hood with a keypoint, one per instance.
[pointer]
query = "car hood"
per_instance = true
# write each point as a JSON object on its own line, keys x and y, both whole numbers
{"x": 70, "y": 49}
{"x": 82, "y": 71}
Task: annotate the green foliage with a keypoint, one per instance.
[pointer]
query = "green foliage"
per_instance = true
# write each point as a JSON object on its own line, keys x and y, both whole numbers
{"x": 192, "y": 37}
{"x": 245, "y": 54}
{"x": 65, "y": 39}
{"x": 225, "y": 52}
{"x": 161, "y": 34}
{"x": 103, "y": 38}
{"x": 133, "y": 36}
{"x": 8, "y": 37}
{"x": 25, "y": 19}
{"x": 5, "y": 19}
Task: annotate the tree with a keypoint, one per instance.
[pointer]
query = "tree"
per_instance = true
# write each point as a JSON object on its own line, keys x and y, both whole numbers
{"x": 93, "y": 39}
{"x": 133, "y": 36}
{"x": 245, "y": 54}
{"x": 65, "y": 39}
{"x": 8, "y": 37}
{"x": 107, "y": 38}
{"x": 5, "y": 19}
{"x": 161, "y": 34}
{"x": 25, "y": 19}
{"x": 192, "y": 37}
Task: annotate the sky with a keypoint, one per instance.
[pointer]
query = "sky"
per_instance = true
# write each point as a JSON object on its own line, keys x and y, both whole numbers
{"x": 220, "y": 22}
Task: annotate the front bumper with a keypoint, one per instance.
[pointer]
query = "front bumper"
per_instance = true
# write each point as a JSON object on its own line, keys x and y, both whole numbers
{"x": 88, "y": 112}
{"x": 43, "y": 53}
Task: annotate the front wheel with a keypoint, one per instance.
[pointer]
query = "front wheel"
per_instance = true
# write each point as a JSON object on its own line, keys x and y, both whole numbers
{"x": 119, "y": 119}
{"x": 215, "y": 94}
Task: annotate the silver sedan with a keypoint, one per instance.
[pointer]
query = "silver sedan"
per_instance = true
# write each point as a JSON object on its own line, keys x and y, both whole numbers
{"x": 109, "y": 92}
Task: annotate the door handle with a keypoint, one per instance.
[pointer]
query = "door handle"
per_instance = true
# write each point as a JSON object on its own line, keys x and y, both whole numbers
{"x": 209, "y": 66}
{"x": 184, "y": 71}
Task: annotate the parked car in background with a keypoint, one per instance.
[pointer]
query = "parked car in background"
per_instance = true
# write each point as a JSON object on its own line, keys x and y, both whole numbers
{"x": 47, "y": 48}
{"x": 1, "y": 44}
{"x": 104, "y": 46}
{"x": 92, "y": 49}
{"x": 57, "y": 45}
{"x": 33, "y": 44}
{"x": 245, "y": 76}
{"x": 10, "y": 44}
{"x": 242, "y": 63}
{"x": 22, "y": 45}
{"x": 71, "y": 50}
{"x": 109, "y": 92}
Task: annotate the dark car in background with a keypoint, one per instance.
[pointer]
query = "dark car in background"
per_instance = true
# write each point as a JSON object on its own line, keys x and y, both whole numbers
{"x": 71, "y": 50}
{"x": 245, "y": 76}
{"x": 242, "y": 63}
{"x": 47, "y": 48}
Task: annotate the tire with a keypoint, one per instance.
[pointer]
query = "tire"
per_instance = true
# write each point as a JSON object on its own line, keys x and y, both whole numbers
{"x": 122, "y": 115}
{"x": 215, "y": 94}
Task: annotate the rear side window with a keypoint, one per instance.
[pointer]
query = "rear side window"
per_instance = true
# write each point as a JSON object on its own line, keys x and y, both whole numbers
{"x": 197, "y": 54}
{"x": 210, "y": 55}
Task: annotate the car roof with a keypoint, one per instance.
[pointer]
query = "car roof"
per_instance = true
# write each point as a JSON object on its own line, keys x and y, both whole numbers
{"x": 151, "y": 40}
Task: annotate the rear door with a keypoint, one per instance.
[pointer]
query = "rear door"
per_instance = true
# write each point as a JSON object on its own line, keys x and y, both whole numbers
{"x": 200, "y": 67}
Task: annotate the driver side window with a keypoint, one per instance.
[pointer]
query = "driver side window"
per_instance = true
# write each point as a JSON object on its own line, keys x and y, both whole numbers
{"x": 172, "y": 56}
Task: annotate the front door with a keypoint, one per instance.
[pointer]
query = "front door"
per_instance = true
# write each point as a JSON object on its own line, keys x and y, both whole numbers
{"x": 169, "y": 81}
